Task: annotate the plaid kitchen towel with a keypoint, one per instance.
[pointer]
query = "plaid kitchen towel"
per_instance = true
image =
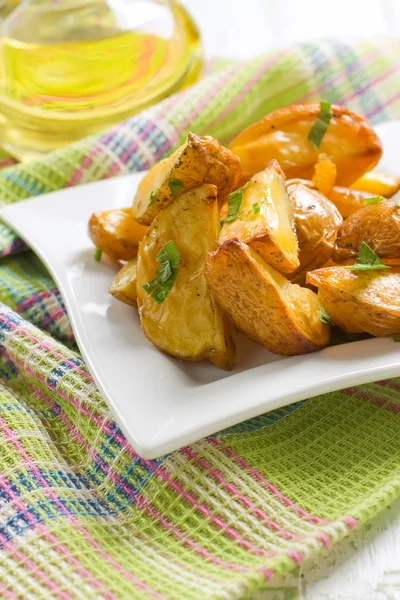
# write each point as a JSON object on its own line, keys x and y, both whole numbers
{"x": 81, "y": 515}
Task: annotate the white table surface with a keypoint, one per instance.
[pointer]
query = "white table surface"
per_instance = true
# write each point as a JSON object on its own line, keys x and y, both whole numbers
{"x": 366, "y": 565}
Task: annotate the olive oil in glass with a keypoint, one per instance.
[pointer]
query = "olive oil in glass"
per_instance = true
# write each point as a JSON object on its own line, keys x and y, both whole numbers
{"x": 70, "y": 68}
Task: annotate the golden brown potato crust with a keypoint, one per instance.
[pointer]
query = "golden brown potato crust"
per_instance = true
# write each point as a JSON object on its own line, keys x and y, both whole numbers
{"x": 349, "y": 141}
{"x": 347, "y": 200}
{"x": 116, "y": 232}
{"x": 378, "y": 225}
{"x": 277, "y": 314}
{"x": 188, "y": 324}
{"x": 202, "y": 159}
{"x": 317, "y": 221}
{"x": 360, "y": 301}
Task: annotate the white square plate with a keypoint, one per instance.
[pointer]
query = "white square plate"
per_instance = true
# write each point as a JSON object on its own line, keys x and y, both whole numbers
{"x": 161, "y": 403}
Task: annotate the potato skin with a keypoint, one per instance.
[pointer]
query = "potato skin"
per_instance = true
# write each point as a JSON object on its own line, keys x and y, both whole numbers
{"x": 317, "y": 222}
{"x": 270, "y": 231}
{"x": 116, "y": 232}
{"x": 378, "y": 225}
{"x": 279, "y": 315}
{"x": 348, "y": 200}
{"x": 188, "y": 324}
{"x": 200, "y": 160}
{"x": 360, "y": 301}
{"x": 349, "y": 141}
{"x": 123, "y": 288}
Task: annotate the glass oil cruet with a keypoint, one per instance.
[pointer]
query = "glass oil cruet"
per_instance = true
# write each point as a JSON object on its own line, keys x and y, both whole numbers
{"x": 70, "y": 68}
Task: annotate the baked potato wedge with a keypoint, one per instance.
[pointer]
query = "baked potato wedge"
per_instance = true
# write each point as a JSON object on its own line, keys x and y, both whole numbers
{"x": 347, "y": 200}
{"x": 349, "y": 141}
{"x": 378, "y": 184}
{"x": 378, "y": 225}
{"x": 200, "y": 160}
{"x": 116, "y": 232}
{"x": 123, "y": 287}
{"x": 265, "y": 220}
{"x": 360, "y": 301}
{"x": 317, "y": 222}
{"x": 188, "y": 324}
{"x": 277, "y": 314}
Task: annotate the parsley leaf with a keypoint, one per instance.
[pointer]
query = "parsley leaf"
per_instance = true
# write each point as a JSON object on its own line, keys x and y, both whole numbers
{"x": 367, "y": 260}
{"x": 235, "y": 200}
{"x": 373, "y": 200}
{"x": 97, "y": 254}
{"x": 169, "y": 252}
{"x": 256, "y": 208}
{"x": 152, "y": 196}
{"x": 175, "y": 186}
{"x": 167, "y": 271}
{"x": 324, "y": 317}
{"x": 320, "y": 126}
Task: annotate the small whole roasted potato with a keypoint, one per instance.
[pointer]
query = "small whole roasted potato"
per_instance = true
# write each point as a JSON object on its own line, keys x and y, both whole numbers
{"x": 378, "y": 225}
{"x": 360, "y": 301}
{"x": 349, "y": 141}
{"x": 123, "y": 287}
{"x": 378, "y": 184}
{"x": 265, "y": 220}
{"x": 317, "y": 222}
{"x": 277, "y": 314}
{"x": 187, "y": 322}
{"x": 116, "y": 232}
{"x": 200, "y": 160}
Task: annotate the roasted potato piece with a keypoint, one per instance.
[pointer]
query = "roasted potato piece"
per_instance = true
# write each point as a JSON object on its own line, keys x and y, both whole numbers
{"x": 317, "y": 221}
{"x": 277, "y": 314}
{"x": 360, "y": 301}
{"x": 265, "y": 220}
{"x": 378, "y": 184}
{"x": 349, "y": 141}
{"x": 116, "y": 232}
{"x": 347, "y": 200}
{"x": 123, "y": 287}
{"x": 200, "y": 160}
{"x": 378, "y": 225}
{"x": 188, "y": 324}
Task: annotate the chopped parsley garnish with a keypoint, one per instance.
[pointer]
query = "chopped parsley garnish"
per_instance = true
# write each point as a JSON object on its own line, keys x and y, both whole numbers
{"x": 373, "y": 200}
{"x": 167, "y": 271}
{"x": 97, "y": 254}
{"x": 320, "y": 126}
{"x": 256, "y": 208}
{"x": 324, "y": 317}
{"x": 367, "y": 260}
{"x": 175, "y": 186}
{"x": 152, "y": 196}
{"x": 235, "y": 200}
